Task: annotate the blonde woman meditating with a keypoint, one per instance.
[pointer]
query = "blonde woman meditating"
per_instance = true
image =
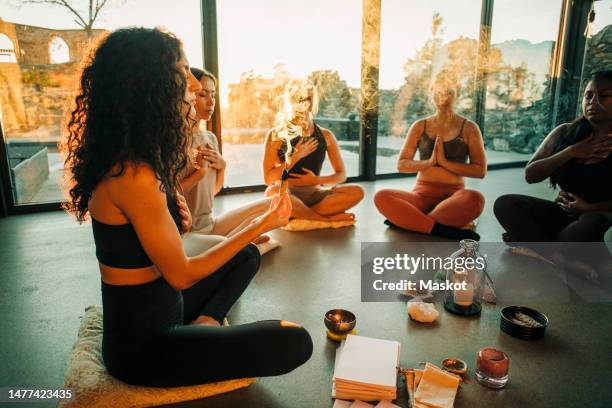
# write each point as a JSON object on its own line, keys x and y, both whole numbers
{"x": 297, "y": 144}
{"x": 450, "y": 149}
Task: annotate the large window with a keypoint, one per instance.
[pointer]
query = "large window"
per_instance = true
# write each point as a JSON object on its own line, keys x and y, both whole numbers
{"x": 599, "y": 46}
{"x": 418, "y": 40}
{"x": 517, "y": 112}
{"x": 262, "y": 45}
{"x": 40, "y": 50}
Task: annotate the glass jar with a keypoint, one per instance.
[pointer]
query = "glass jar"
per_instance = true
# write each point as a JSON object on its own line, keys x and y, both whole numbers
{"x": 465, "y": 279}
{"x": 492, "y": 367}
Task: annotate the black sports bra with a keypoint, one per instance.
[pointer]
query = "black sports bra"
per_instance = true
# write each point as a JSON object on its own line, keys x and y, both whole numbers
{"x": 455, "y": 149}
{"x": 314, "y": 161}
{"x": 118, "y": 246}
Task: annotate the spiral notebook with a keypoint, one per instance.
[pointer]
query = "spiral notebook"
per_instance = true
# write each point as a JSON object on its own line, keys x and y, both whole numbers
{"x": 366, "y": 369}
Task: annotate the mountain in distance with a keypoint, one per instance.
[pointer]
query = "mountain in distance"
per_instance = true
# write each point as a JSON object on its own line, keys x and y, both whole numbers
{"x": 536, "y": 56}
{"x": 514, "y": 53}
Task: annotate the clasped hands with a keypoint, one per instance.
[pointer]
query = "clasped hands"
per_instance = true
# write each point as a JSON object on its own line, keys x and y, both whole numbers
{"x": 302, "y": 149}
{"x": 571, "y": 203}
{"x": 438, "y": 157}
{"x": 206, "y": 158}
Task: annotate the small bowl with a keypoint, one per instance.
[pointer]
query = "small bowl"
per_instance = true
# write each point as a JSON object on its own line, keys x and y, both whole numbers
{"x": 344, "y": 323}
{"x": 508, "y": 324}
{"x": 455, "y": 366}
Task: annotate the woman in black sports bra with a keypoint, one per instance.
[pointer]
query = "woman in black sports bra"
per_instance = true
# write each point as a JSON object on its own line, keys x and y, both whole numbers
{"x": 126, "y": 145}
{"x": 450, "y": 149}
{"x": 299, "y": 145}
{"x": 577, "y": 158}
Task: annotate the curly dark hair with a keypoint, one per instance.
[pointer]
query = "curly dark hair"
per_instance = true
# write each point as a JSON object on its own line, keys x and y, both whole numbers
{"x": 127, "y": 109}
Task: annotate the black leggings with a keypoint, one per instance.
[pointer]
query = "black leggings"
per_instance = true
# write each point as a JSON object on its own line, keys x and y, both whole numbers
{"x": 147, "y": 340}
{"x": 530, "y": 219}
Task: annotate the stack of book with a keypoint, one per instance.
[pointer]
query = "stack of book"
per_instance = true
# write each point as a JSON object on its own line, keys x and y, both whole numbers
{"x": 366, "y": 369}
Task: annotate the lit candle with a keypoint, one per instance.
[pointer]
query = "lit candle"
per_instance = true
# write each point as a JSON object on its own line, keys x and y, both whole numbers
{"x": 492, "y": 367}
{"x": 465, "y": 297}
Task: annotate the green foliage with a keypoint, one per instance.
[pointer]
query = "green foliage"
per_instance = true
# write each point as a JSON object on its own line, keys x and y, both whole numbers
{"x": 518, "y": 107}
{"x": 334, "y": 94}
{"x": 40, "y": 79}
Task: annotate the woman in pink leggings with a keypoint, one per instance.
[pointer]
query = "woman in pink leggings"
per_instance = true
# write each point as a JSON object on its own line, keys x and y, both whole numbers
{"x": 439, "y": 203}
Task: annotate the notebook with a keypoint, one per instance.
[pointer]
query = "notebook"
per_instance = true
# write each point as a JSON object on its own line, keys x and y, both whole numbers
{"x": 366, "y": 369}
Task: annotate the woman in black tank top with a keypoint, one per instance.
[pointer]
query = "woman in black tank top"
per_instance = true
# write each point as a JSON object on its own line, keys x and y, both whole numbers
{"x": 299, "y": 146}
{"x": 126, "y": 146}
{"x": 576, "y": 158}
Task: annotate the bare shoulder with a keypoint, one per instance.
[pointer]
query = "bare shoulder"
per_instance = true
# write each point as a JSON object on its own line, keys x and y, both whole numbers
{"x": 416, "y": 129}
{"x": 547, "y": 147}
{"x": 329, "y": 136}
{"x": 270, "y": 140}
{"x": 327, "y": 133}
{"x": 550, "y": 141}
{"x": 132, "y": 178}
{"x": 417, "y": 126}
{"x": 471, "y": 128}
{"x": 271, "y": 133}
{"x": 558, "y": 132}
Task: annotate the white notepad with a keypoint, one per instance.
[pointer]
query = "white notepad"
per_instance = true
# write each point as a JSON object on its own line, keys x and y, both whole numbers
{"x": 366, "y": 369}
{"x": 369, "y": 362}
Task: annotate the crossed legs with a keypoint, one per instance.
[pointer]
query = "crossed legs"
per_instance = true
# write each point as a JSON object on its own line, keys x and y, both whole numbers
{"x": 332, "y": 207}
{"x": 419, "y": 213}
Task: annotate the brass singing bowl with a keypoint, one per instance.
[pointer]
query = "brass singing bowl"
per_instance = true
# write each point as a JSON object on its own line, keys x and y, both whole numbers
{"x": 455, "y": 366}
{"x": 346, "y": 324}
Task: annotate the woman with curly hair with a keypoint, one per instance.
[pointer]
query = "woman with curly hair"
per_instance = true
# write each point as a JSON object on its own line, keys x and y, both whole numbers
{"x": 126, "y": 145}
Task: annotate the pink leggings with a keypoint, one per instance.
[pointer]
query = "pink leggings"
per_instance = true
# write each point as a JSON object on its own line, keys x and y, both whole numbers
{"x": 428, "y": 203}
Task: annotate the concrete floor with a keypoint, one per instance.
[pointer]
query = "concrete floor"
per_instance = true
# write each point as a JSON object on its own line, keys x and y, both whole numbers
{"x": 49, "y": 275}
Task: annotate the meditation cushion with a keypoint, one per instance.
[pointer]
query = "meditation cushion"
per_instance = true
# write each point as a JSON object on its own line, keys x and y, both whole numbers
{"x": 93, "y": 386}
{"x": 298, "y": 224}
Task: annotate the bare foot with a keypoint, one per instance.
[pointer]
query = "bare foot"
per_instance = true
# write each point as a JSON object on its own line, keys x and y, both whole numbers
{"x": 261, "y": 239}
{"x": 341, "y": 217}
{"x": 577, "y": 267}
{"x": 285, "y": 323}
{"x": 582, "y": 269}
{"x": 206, "y": 321}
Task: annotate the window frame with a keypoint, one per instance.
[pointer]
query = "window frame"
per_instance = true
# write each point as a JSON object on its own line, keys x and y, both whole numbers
{"x": 566, "y": 59}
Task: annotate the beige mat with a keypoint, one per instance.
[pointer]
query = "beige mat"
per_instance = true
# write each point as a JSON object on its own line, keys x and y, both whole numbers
{"x": 298, "y": 224}
{"x": 93, "y": 387}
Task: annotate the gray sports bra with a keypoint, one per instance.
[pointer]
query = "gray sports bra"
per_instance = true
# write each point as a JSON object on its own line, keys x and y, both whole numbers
{"x": 455, "y": 149}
